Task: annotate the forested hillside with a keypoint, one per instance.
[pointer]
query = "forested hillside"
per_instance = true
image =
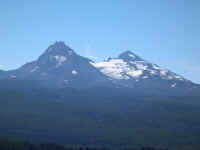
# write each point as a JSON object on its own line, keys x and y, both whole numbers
{"x": 75, "y": 117}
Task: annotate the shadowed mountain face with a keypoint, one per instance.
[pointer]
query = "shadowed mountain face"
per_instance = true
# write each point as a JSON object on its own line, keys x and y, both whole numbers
{"x": 59, "y": 66}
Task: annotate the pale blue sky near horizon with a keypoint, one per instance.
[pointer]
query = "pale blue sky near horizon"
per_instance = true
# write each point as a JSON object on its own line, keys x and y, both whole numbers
{"x": 166, "y": 32}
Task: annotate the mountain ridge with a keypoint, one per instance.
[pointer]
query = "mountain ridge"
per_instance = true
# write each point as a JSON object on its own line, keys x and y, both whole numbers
{"x": 60, "y": 66}
{"x": 75, "y": 103}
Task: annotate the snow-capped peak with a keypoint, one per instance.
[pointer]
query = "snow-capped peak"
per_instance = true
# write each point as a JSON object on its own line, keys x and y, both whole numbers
{"x": 130, "y": 66}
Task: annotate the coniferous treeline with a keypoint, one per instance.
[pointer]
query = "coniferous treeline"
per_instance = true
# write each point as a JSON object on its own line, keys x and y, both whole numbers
{"x": 16, "y": 145}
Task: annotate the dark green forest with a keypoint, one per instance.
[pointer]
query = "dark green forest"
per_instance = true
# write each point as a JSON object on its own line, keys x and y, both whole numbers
{"x": 72, "y": 117}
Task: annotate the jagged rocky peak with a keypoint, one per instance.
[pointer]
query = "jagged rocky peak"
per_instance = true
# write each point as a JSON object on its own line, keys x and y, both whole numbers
{"x": 59, "y": 47}
{"x": 58, "y": 52}
{"x": 129, "y": 56}
{"x": 56, "y": 55}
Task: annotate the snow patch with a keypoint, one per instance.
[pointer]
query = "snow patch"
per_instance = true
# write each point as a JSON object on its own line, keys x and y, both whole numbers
{"x": 118, "y": 69}
{"x": 164, "y": 72}
{"x": 60, "y": 60}
{"x": 156, "y": 67}
{"x": 152, "y": 72}
{"x": 141, "y": 66}
{"x": 135, "y": 73}
{"x": 173, "y": 85}
{"x": 34, "y": 69}
{"x": 132, "y": 62}
{"x": 113, "y": 68}
{"x": 66, "y": 81}
{"x": 74, "y": 72}
{"x": 177, "y": 77}
{"x": 121, "y": 70}
{"x": 131, "y": 55}
{"x": 145, "y": 77}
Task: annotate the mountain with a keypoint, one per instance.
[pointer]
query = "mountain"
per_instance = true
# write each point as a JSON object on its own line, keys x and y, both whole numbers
{"x": 59, "y": 66}
{"x": 125, "y": 101}
{"x": 131, "y": 71}
{"x": 129, "y": 66}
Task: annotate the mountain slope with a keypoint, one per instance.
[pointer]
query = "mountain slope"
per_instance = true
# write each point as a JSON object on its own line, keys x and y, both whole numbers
{"x": 129, "y": 66}
{"x": 59, "y": 67}
{"x": 131, "y": 71}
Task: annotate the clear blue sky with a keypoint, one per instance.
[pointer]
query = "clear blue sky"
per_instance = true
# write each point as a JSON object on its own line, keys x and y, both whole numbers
{"x": 165, "y": 32}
